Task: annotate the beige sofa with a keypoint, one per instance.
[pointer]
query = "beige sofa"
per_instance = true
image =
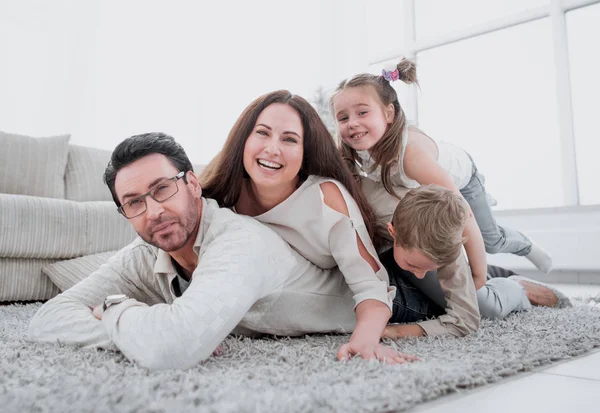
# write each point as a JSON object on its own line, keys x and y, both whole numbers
{"x": 54, "y": 207}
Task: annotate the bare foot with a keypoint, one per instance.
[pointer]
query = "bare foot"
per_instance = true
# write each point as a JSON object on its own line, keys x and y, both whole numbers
{"x": 218, "y": 351}
{"x": 538, "y": 294}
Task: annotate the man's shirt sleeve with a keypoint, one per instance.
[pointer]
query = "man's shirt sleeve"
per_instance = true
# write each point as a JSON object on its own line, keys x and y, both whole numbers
{"x": 68, "y": 319}
{"x": 229, "y": 279}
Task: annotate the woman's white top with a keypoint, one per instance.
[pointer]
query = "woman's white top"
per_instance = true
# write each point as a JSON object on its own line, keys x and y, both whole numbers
{"x": 451, "y": 158}
{"x": 327, "y": 238}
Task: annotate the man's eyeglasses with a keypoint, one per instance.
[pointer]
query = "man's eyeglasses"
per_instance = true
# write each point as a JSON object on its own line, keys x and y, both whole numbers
{"x": 160, "y": 193}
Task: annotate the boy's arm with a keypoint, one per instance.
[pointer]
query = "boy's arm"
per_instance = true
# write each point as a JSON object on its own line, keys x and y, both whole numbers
{"x": 462, "y": 311}
{"x": 68, "y": 319}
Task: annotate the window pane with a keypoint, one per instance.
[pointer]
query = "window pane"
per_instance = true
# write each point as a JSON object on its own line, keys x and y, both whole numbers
{"x": 442, "y": 16}
{"x": 385, "y": 23}
{"x": 582, "y": 27}
{"x": 495, "y": 96}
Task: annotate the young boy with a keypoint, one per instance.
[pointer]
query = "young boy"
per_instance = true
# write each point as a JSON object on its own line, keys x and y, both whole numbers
{"x": 427, "y": 227}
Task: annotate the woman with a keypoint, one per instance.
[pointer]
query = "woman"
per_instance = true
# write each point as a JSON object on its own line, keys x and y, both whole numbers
{"x": 280, "y": 166}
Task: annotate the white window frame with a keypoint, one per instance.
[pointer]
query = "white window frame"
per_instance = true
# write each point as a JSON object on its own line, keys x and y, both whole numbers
{"x": 556, "y": 10}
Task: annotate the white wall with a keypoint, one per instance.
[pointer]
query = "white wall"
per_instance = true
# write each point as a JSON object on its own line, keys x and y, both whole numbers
{"x": 42, "y": 64}
{"x": 103, "y": 71}
{"x": 570, "y": 234}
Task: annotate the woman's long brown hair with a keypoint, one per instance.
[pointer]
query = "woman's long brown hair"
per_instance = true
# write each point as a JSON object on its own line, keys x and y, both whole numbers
{"x": 223, "y": 178}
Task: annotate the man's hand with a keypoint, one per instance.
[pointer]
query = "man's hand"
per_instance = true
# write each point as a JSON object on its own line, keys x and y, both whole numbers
{"x": 369, "y": 351}
{"x": 97, "y": 312}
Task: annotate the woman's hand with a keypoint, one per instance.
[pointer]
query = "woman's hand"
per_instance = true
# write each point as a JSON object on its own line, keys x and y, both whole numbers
{"x": 370, "y": 351}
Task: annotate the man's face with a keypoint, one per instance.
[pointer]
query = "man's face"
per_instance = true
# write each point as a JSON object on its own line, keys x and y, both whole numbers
{"x": 412, "y": 260}
{"x": 167, "y": 225}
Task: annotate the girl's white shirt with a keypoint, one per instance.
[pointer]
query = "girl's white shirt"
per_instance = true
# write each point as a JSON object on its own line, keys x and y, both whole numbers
{"x": 451, "y": 158}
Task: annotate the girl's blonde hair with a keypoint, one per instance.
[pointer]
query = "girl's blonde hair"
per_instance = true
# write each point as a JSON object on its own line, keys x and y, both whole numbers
{"x": 385, "y": 152}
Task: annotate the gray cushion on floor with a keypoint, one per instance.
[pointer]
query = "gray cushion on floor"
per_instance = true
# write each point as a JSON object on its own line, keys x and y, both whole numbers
{"x": 65, "y": 274}
{"x": 23, "y": 280}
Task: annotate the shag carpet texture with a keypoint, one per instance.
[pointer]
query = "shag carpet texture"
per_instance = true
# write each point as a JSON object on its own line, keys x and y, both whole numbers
{"x": 283, "y": 374}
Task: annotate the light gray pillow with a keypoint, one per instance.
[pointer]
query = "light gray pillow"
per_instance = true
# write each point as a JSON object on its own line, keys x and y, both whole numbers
{"x": 85, "y": 171}
{"x": 67, "y": 273}
{"x": 33, "y": 166}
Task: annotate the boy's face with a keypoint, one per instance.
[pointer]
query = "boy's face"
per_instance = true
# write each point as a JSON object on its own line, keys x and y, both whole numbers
{"x": 412, "y": 260}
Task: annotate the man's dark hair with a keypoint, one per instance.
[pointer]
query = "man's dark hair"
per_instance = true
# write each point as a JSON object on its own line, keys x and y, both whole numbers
{"x": 138, "y": 146}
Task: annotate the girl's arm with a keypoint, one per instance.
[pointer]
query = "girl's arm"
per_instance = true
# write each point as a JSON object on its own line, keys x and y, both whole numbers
{"x": 420, "y": 164}
{"x": 371, "y": 315}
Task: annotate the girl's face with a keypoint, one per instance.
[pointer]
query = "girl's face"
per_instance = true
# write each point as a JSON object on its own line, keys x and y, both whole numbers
{"x": 274, "y": 150}
{"x": 361, "y": 117}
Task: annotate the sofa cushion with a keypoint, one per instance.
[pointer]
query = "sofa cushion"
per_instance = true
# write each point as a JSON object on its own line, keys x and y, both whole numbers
{"x": 33, "y": 166}
{"x": 65, "y": 274}
{"x": 35, "y": 227}
{"x": 85, "y": 169}
{"x": 85, "y": 172}
{"x": 23, "y": 280}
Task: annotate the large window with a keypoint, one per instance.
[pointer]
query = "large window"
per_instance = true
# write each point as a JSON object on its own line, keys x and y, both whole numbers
{"x": 440, "y": 17}
{"x": 584, "y": 56}
{"x": 515, "y": 84}
{"x": 501, "y": 108}
{"x": 386, "y": 31}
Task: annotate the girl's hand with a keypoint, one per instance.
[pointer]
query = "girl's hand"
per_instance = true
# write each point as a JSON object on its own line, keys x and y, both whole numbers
{"x": 479, "y": 280}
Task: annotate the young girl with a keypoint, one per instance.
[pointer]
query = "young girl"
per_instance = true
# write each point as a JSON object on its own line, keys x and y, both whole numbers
{"x": 378, "y": 144}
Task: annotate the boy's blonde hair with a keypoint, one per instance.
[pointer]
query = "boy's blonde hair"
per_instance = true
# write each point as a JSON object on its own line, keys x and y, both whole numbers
{"x": 431, "y": 219}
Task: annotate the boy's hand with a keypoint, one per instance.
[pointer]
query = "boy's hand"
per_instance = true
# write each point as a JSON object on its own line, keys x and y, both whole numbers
{"x": 396, "y": 331}
{"x": 369, "y": 351}
{"x": 479, "y": 280}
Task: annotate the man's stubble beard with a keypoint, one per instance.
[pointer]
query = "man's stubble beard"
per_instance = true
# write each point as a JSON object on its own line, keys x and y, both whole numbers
{"x": 184, "y": 230}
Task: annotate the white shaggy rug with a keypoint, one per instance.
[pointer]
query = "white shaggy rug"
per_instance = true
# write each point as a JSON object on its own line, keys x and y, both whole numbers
{"x": 285, "y": 375}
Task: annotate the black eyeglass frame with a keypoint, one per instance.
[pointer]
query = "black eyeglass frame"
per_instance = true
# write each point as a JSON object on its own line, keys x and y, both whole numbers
{"x": 149, "y": 193}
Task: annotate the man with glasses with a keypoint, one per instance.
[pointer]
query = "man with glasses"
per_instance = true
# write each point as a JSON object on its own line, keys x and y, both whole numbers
{"x": 143, "y": 301}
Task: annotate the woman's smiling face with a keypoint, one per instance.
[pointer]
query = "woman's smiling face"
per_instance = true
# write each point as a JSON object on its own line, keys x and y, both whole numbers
{"x": 274, "y": 150}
